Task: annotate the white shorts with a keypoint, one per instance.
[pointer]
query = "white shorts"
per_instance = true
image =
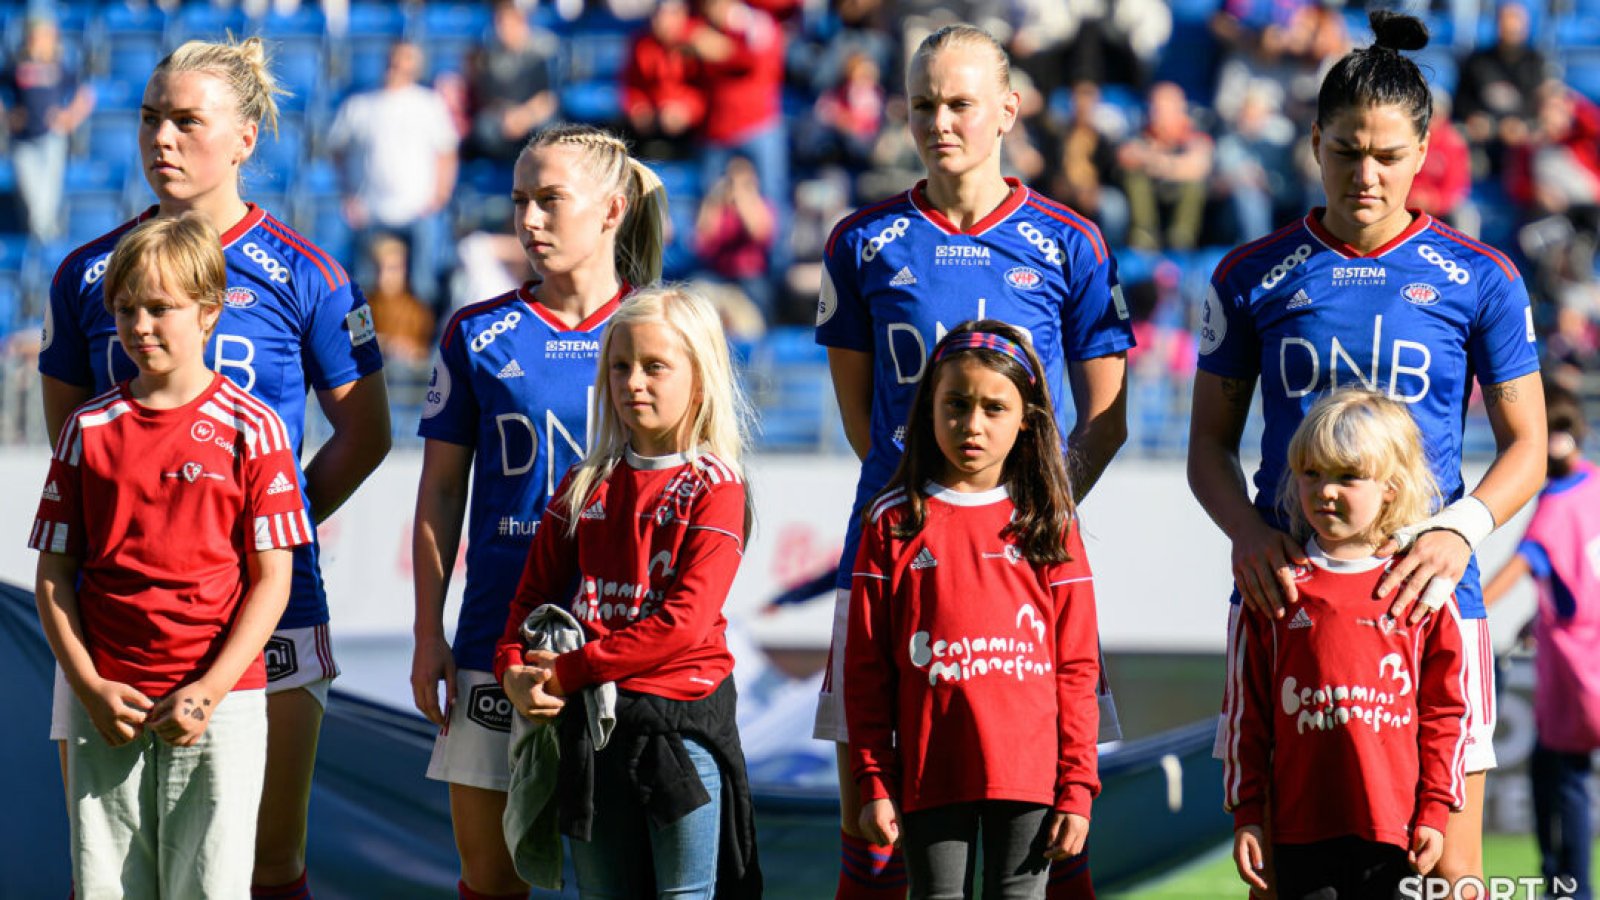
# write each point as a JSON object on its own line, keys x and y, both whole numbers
{"x": 829, "y": 724}
{"x": 1478, "y": 659}
{"x": 296, "y": 658}
{"x": 474, "y": 749}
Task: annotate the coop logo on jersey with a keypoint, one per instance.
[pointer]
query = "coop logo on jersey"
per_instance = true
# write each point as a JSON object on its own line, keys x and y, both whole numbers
{"x": 275, "y": 269}
{"x": 1282, "y": 269}
{"x": 488, "y": 706}
{"x": 1360, "y": 275}
{"x": 1213, "y": 322}
{"x": 362, "y": 328}
{"x": 438, "y": 390}
{"x": 1456, "y": 272}
{"x": 97, "y": 271}
{"x": 571, "y": 348}
{"x": 960, "y": 255}
{"x": 1024, "y": 278}
{"x": 239, "y": 298}
{"x": 487, "y": 336}
{"x": 1420, "y": 294}
{"x": 891, "y": 232}
{"x": 281, "y": 658}
{"x": 1047, "y": 245}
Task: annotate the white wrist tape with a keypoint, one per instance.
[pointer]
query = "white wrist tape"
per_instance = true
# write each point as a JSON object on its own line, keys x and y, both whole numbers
{"x": 1468, "y": 517}
{"x": 1437, "y": 592}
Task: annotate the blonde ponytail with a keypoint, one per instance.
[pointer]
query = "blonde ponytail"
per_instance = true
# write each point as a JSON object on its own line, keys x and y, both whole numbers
{"x": 244, "y": 66}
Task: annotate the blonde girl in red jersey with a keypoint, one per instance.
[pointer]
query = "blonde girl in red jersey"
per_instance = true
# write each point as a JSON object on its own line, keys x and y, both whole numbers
{"x": 972, "y": 608}
{"x": 650, "y": 527}
{"x": 1348, "y": 723}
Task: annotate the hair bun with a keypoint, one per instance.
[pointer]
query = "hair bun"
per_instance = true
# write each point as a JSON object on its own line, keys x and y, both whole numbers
{"x": 1397, "y": 31}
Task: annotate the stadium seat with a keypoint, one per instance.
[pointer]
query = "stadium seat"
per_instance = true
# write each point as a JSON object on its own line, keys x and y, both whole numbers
{"x": 89, "y": 216}
{"x": 681, "y": 179}
{"x": 462, "y": 21}
{"x": 377, "y": 20}
{"x": 97, "y": 173}
{"x": 118, "y": 94}
{"x": 13, "y": 251}
{"x": 447, "y": 54}
{"x": 133, "y": 59}
{"x": 367, "y": 58}
{"x": 1583, "y": 72}
{"x": 298, "y": 65}
{"x": 306, "y": 22}
{"x": 596, "y": 56}
{"x": 595, "y": 102}
{"x": 113, "y": 136}
{"x": 203, "y": 21}
{"x": 282, "y": 157}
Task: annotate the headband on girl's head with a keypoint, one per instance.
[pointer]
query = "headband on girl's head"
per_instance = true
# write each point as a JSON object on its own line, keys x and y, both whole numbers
{"x": 984, "y": 340}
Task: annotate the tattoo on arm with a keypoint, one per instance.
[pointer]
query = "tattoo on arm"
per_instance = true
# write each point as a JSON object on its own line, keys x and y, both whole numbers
{"x": 1496, "y": 394}
{"x": 1238, "y": 391}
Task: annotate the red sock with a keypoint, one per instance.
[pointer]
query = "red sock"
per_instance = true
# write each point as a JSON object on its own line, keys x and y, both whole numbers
{"x": 297, "y": 889}
{"x": 869, "y": 871}
{"x": 466, "y": 893}
{"x": 1069, "y": 879}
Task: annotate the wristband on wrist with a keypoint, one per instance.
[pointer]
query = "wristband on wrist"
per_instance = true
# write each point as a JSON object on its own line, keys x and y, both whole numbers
{"x": 1468, "y": 517}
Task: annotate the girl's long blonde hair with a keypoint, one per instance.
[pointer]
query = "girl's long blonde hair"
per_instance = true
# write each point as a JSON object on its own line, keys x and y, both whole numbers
{"x": 1355, "y": 430}
{"x": 721, "y": 415}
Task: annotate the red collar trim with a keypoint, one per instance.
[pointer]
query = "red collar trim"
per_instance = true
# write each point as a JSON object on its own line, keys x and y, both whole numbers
{"x": 252, "y": 217}
{"x": 594, "y": 320}
{"x": 1419, "y": 222}
{"x": 1012, "y": 203}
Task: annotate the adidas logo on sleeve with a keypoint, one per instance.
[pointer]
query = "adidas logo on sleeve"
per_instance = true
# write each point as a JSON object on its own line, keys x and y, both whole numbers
{"x": 280, "y": 484}
{"x": 924, "y": 560}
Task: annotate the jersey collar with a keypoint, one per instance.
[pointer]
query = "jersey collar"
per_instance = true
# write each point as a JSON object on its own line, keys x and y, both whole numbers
{"x": 959, "y": 498}
{"x": 594, "y": 320}
{"x": 653, "y": 463}
{"x": 1012, "y": 203}
{"x": 1342, "y": 566}
{"x": 1419, "y": 222}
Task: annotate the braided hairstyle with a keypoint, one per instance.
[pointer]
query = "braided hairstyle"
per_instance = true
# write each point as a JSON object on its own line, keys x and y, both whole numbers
{"x": 641, "y": 237}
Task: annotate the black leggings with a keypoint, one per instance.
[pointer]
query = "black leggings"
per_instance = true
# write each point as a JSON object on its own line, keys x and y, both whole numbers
{"x": 940, "y": 846}
{"x": 1346, "y": 868}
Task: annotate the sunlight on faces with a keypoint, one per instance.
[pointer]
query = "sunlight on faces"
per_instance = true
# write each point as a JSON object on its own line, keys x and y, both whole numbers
{"x": 1369, "y": 157}
{"x": 162, "y": 329}
{"x": 977, "y": 415}
{"x": 652, "y": 387}
{"x": 192, "y": 139}
{"x": 564, "y": 219}
{"x": 958, "y": 109}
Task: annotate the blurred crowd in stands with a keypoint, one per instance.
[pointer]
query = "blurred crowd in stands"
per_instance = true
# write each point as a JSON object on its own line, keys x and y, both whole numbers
{"x": 1180, "y": 126}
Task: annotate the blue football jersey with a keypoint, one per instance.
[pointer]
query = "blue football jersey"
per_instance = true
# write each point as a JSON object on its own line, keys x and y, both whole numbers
{"x": 517, "y": 386}
{"x": 899, "y": 275}
{"x": 292, "y": 321}
{"x": 1417, "y": 319}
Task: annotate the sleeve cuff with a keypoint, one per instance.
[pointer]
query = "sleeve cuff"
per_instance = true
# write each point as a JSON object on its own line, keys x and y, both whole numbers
{"x": 506, "y": 656}
{"x": 873, "y": 788}
{"x": 1248, "y": 814}
{"x": 572, "y": 670}
{"x": 1433, "y": 814}
{"x": 1075, "y": 799}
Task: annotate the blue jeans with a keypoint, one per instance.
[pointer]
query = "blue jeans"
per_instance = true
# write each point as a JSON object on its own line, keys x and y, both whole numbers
{"x": 682, "y": 854}
{"x": 1561, "y": 817}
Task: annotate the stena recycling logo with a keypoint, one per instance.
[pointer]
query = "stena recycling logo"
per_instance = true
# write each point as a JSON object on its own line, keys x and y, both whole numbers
{"x": 239, "y": 298}
{"x": 1024, "y": 278}
{"x": 1420, "y": 294}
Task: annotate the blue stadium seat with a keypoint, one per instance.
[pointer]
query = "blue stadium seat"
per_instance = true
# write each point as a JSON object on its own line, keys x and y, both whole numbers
{"x": 681, "y": 179}
{"x": 118, "y": 94}
{"x": 1578, "y": 30}
{"x": 298, "y": 64}
{"x": 377, "y": 20}
{"x": 790, "y": 345}
{"x": 595, "y": 102}
{"x": 367, "y": 59}
{"x": 447, "y": 54}
{"x": 1583, "y": 72}
{"x": 463, "y": 21}
{"x": 133, "y": 58}
{"x": 317, "y": 179}
{"x": 595, "y": 56}
{"x": 11, "y": 314}
{"x": 107, "y": 173}
{"x": 306, "y": 22}
{"x": 113, "y": 136}
{"x": 8, "y": 176}
{"x": 13, "y": 250}
{"x": 204, "y": 21}
{"x": 282, "y": 156}
{"x": 1438, "y": 66}
{"x": 89, "y": 216}
{"x": 328, "y": 228}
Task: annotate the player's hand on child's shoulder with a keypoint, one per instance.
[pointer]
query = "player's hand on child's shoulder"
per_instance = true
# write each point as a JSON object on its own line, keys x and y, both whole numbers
{"x": 880, "y": 821}
{"x": 1426, "y": 572}
{"x": 1066, "y": 836}
{"x": 1427, "y": 845}
{"x": 1248, "y": 857}
{"x": 181, "y": 717}
{"x": 118, "y": 711}
{"x": 1263, "y": 568}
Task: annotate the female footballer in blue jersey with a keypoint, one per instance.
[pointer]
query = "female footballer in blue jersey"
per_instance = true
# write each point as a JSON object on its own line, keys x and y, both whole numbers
{"x": 1366, "y": 292}
{"x": 292, "y": 321}
{"x": 509, "y": 406}
{"x": 967, "y": 243}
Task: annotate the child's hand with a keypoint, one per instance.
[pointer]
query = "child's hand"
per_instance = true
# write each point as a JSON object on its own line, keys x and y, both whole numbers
{"x": 118, "y": 711}
{"x": 546, "y": 661}
{"x": 181, "y": 717}
{"x": 1247, "y": 856}
{"x": 1427, "y": 845}
{"x": 524, "y": 687}
{"x": 880, "y": 822}
{"x": 1067, "y": 833}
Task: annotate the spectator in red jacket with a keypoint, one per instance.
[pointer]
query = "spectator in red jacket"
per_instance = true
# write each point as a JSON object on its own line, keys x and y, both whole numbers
{"x": 1444, "y": 184}
{"x": 661, "y": 95}
{"x": 740, "y": 49}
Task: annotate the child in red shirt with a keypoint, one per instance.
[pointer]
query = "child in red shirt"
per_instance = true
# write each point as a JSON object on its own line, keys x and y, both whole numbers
{"x": 972, "y": 610}
{"x": 1350, "y": 723}
{"x": 164, "y": 533}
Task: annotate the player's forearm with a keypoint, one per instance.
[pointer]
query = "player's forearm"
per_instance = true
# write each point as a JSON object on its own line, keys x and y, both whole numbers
{"x": 1516, "y": 413}
{"x": 56, "y": 595}
{"x": 1217, "y": 480}
{"x": 435, "y": 541}
{"x": 1090, "y": 449}
{"x": 271, "y": 572}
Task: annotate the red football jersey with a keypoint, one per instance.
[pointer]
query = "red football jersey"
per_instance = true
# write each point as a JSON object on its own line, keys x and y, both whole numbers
{"x": 969, "y": 672}
{"x": 161, "y": 506}
{"x": 1356, "y": 721}
{"x": 657, "y": 546}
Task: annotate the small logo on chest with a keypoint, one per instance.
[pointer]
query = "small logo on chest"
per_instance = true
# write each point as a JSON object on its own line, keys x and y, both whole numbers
{"x": 193, "y": 472}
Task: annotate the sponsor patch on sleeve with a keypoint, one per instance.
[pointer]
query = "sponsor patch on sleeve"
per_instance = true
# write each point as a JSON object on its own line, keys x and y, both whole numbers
{"x": 361, "y": 326}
